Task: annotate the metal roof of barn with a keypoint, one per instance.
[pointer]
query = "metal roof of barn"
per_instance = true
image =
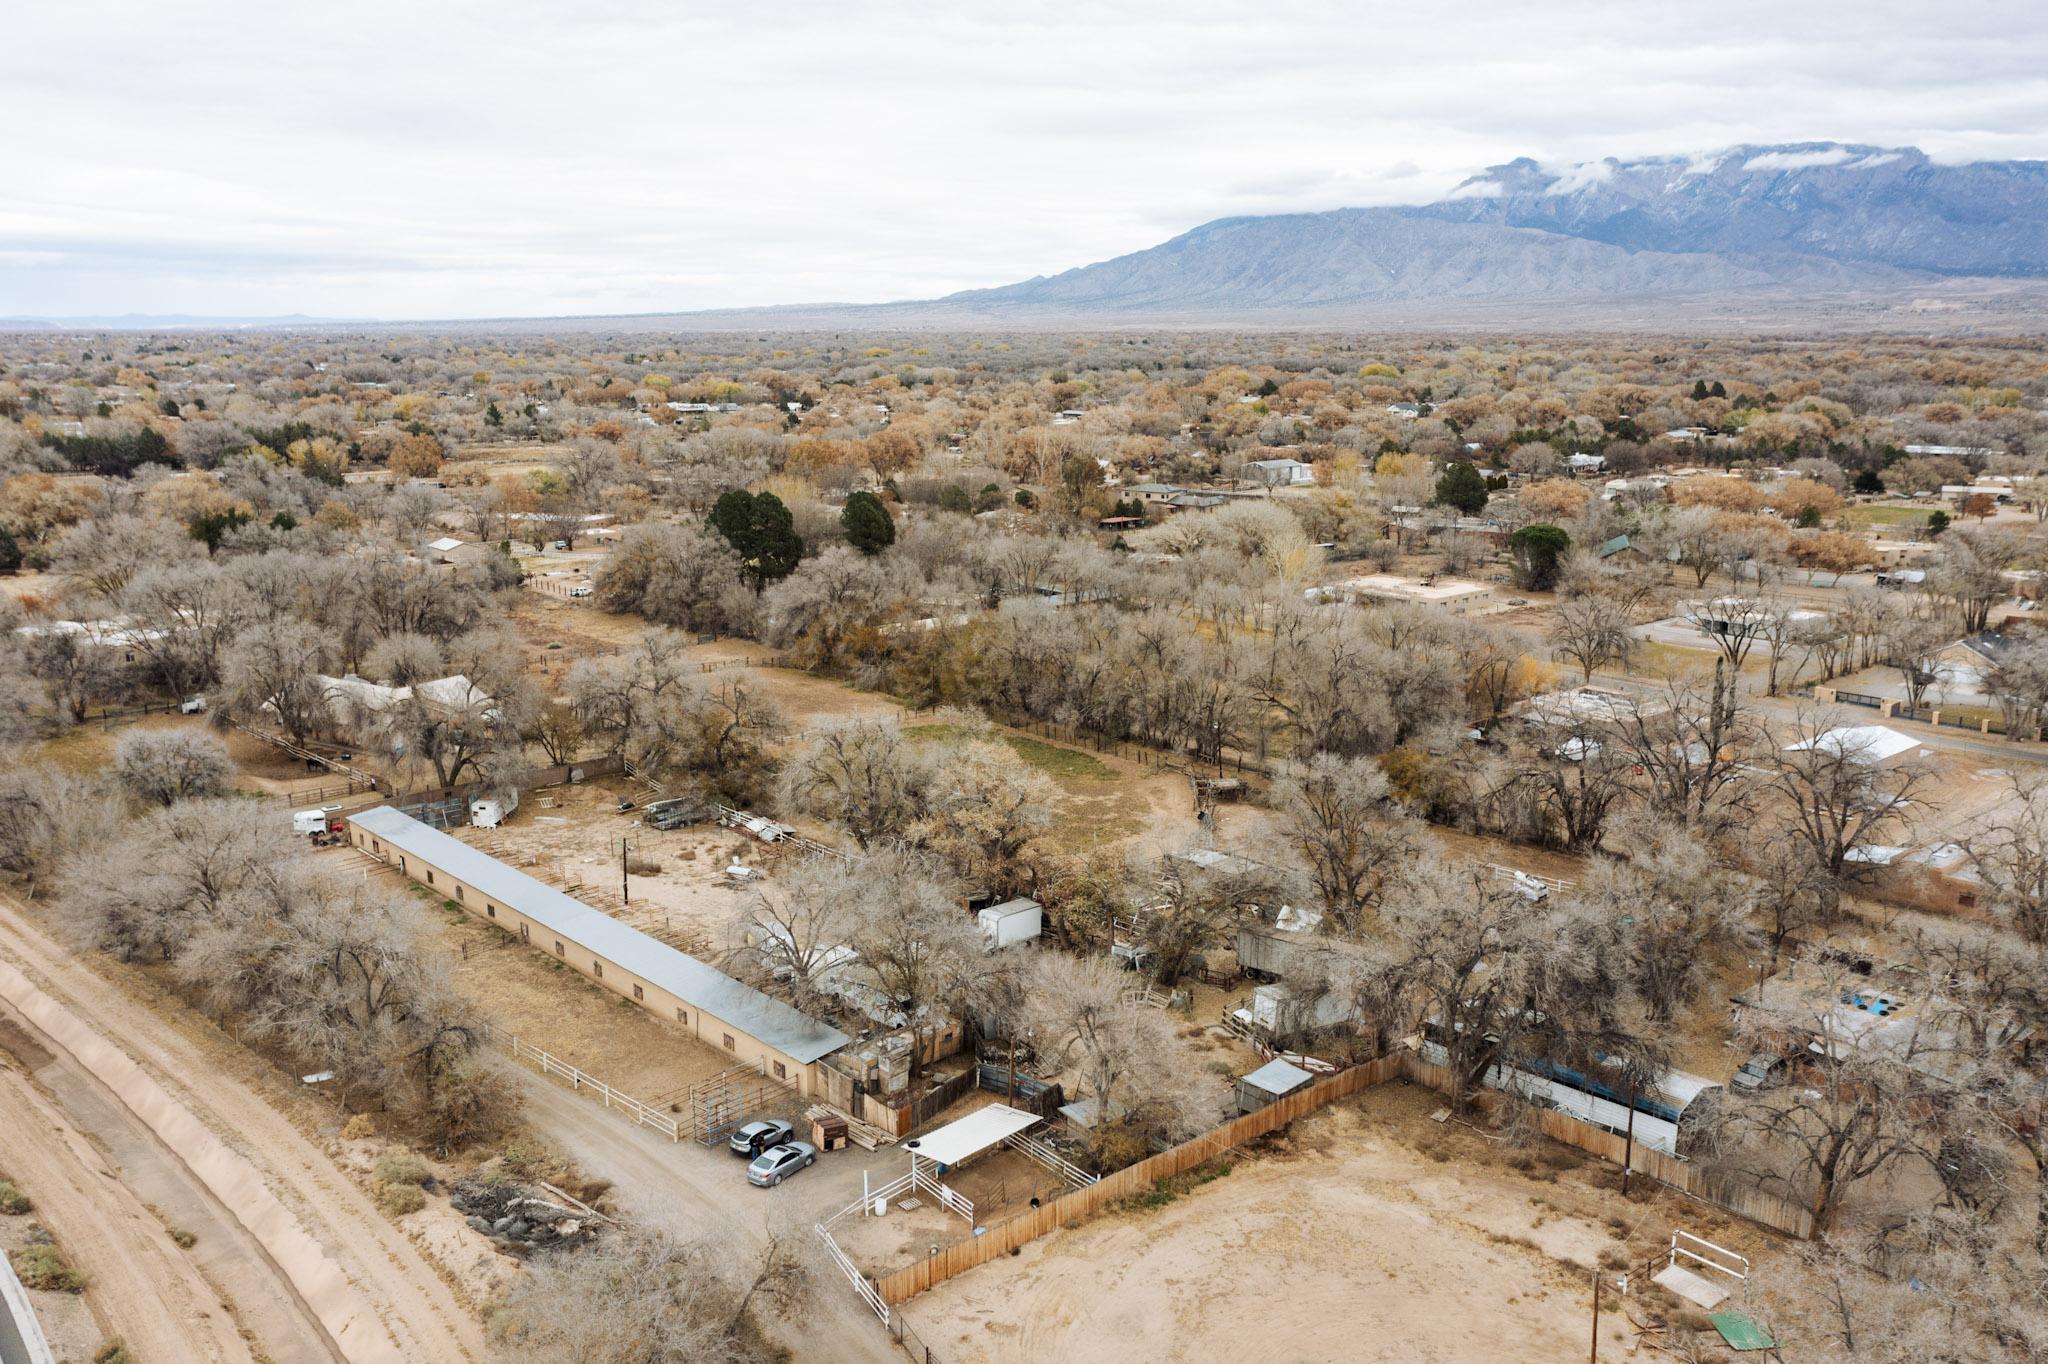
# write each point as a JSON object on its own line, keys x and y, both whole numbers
{"x": 766, "y": 1019}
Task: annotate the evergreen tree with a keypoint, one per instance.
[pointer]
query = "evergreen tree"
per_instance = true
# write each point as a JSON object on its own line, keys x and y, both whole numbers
{"x": 212, "y": 527}
{"x": 1699, "y": 390}
{"x": 1537, "y": 551}
{"x": 1868, "y": 482}
{"x": 1717, "y": 391}
{"x": 761, "y": 531}
{"x": 493, "y": 416}
{"x": 867, "y": 524}
{"x": 10, "y": 551}
{"x": 1937, "y": 522}
{"x": 1462, "y": 488}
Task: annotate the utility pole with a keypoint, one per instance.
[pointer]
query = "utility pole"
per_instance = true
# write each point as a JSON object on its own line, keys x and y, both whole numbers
{"x": 1595, "y": 1356}
{"x": 1628, "y": 1151}
{"x": 625, "y": 890}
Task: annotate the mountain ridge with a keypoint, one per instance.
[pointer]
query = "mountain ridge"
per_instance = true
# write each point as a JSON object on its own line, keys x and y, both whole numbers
{"x": 1793, "y": 217}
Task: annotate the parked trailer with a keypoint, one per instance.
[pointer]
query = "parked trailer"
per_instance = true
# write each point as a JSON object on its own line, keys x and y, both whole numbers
{"x": 1660, "y": 1112}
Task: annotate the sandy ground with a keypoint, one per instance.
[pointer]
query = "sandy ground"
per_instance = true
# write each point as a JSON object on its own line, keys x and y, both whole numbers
{"x": 1277, "y": 1260}
{"x": 1346, "y": 1241}
{"x": 145, "y": 1290}
{"x": 219, "y": 1109}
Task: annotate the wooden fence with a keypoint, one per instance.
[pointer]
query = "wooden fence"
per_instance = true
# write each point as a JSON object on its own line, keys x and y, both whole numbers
{"x": 1082, "y": 1204}
{"x": 1744, "y": 1200}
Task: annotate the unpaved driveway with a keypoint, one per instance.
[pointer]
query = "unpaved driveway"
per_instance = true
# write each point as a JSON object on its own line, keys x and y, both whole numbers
{"x": 376, "y": 1295}
{"x": 695, "y": 1193}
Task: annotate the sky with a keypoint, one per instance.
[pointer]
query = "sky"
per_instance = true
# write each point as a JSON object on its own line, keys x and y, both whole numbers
{"x": 443, "y": 159}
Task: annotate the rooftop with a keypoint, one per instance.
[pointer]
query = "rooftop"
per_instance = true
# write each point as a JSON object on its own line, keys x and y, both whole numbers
{"x": 763, "y": 1017}
{"x": 1859, "y": 743}
{"x": 1406, "y": 589}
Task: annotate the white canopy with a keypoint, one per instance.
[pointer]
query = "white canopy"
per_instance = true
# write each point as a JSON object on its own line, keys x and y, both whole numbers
{"x": 970, "y": 1136}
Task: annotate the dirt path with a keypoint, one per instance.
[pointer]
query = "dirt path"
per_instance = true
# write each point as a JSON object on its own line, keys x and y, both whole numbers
{"x": 142, "y": 1287}
{"x": 377, "y": 1296}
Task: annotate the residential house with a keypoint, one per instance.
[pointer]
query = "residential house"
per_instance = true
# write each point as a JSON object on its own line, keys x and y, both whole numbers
{"x": 1280, "y": 473}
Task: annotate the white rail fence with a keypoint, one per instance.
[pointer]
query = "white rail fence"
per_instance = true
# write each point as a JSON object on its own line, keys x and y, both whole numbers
{"x": 634, "y": 1110}
{"x": 861, "y": 1283}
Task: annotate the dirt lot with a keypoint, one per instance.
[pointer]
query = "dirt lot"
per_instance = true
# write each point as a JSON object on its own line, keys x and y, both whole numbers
{"x": 1349, "y": 1239}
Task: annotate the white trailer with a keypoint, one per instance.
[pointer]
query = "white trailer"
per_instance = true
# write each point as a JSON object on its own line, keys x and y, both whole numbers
{"x": 1012, "y": 922}
{"x": 488, "y": 812}
{"x": 314, "y": 821}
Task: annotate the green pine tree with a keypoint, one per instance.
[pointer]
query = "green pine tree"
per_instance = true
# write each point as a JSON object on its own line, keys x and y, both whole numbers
{"x": 1537, "y": 551}
{"x": 867, "y": 524}
{"x": 1462, "y": 487}
{"x": 762, "y": 532}
{"x": 1699, "y": 390}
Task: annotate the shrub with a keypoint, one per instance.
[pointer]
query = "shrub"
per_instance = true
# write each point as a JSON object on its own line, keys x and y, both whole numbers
{"x": 400, "y": 1199}
{"x": 13, "y": 1202}
{"x": 42, "y": 1267}
{"x": 183, "y": 1239}
{"x": 111, "y": 1352}
{"x": 401, "y": 1167}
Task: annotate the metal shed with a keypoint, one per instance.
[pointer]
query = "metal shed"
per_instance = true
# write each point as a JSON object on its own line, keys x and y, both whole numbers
{"x": 1270, "y": 1083}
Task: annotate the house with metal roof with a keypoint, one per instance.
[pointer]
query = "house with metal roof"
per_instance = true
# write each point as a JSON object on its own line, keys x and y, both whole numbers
{"x": 751, "y": 1027}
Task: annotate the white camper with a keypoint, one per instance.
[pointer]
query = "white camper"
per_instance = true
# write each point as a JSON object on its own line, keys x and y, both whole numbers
{"x": 488, "y": 812}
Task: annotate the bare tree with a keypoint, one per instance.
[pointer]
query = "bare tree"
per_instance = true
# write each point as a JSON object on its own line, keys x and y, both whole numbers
{"x": 800, "y": 927}
{"x": 273, "y": 672}
{"x": 683, "y": 576}
{"x": 916, "y": 946}
{"x": 1594, "y": 631}
{"x": 1692, "y": 746}
{"x": 2010, "y": 855}
{"x": 1123, "y": 1054}
{"x": 982, "y": 808}
{"x": 1669, "y": 911}
{"x": 1836, "y": 796}
{"x": 1348, "y": 829}
{"x": 637, "y": 1295}
{"x": 862, "y": 775}
{"x": 1969, "y": 574}
{"x": 1853, "y": 1118}
{"x": 163, "y": 767}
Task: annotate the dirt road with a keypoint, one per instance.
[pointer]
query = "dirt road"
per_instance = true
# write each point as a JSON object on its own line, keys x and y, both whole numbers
{"x": 374, "y": 1293}
{"x": 143, "y": 1287}
{"x": 696, "y": 1193}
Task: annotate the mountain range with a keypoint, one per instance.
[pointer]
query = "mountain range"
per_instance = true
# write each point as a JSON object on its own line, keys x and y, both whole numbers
{"x": 1805, "y": 219}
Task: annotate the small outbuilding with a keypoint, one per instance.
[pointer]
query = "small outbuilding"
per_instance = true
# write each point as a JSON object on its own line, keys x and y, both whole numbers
{"x": 1269, "y": 1084}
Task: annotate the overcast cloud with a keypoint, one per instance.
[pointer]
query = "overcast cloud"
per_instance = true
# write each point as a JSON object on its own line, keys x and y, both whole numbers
{"x": 435, "y": 159}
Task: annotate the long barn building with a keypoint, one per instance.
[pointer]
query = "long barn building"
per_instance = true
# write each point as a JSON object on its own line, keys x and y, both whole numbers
{"x": 711, "y": 1006}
